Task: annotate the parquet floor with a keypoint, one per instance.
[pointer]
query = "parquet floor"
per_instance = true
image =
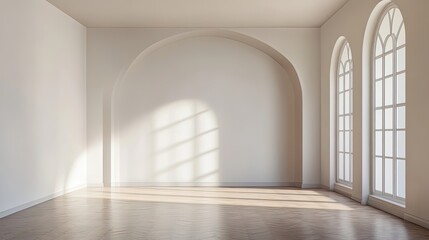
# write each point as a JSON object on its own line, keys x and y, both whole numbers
{"x": 205, "y": 213}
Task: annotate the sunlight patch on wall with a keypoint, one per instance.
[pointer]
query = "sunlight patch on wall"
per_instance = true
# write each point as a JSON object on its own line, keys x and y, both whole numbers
{"x": 185, "y": 143}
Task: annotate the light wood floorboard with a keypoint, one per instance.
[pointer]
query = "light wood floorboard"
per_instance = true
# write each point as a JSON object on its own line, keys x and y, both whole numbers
{"x": 205, "y": 213}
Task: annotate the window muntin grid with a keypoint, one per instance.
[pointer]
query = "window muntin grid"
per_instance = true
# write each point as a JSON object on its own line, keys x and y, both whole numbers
{"x": 344, "y": 156}
{"x": 389, "y": 107}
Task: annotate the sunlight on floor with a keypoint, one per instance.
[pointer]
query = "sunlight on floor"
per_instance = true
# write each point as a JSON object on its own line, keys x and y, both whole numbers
{"x": 258, "y": 197}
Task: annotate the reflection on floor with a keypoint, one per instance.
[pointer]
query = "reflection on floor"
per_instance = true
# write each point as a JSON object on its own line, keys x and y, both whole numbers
{"x": 205, "y": 213}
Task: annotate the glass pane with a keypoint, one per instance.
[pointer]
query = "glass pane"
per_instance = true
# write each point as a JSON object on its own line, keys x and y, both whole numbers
{"x": 341, "y": 103}
{"x": 347, "y": 122}
{"x": 347, "y": 167}
{"x": 347, "y": 102}
{"x": 378, "y": 48}
{"x": 341, "y": 123}
{"x": 384, "y": 27}
{"x": 388, "y": 91}
{"x": 341, "y": 84}
{"x": 379, "y": 174}
{"x": 400, "y": 98}
{"x": 389, "y": 44}
{"x": 401, "y": 59}
{"x": 401, "y": 178}
{"x": 341, "y": 142}
{"x": 388, "y": 143}
{"x": 401, "y": 144}
{"x": 378, "y": 68}
{"x": 401, "y": 37}
{"x": 379, "y": 93}
{"x": 379, "y": 143}
{"x": 379, "y": 119}
{"x": 397, "y": 21}
{"x": 341, "y": 166}
{"x": 400, "y": 120}
{"x": 388, "y": 117}
{"x": 388, "y": 64}
{"x": 347, "y": 142}
{"x": 388, "y": 175}
{"x": 347, "y": 82}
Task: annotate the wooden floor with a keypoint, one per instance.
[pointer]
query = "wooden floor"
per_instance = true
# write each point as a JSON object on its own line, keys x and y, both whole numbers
{"x": 205, "y": 213}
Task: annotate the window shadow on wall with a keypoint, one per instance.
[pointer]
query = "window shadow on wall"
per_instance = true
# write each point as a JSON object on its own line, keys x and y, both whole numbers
{"x": 185, "y": 143}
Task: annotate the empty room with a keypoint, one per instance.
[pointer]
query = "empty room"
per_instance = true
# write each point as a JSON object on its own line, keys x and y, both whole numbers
{"x": 203, "y": 119}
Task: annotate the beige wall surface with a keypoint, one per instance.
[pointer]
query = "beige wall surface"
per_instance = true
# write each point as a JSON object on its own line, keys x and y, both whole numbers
{"x": 351, "y": 22}
{"x": 42, "y": 100}
{"x": 111, "y": 51}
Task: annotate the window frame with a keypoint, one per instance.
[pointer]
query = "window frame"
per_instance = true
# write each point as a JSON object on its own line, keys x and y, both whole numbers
{"x": 345, "y": 46}
{"x": 394, "y": 105}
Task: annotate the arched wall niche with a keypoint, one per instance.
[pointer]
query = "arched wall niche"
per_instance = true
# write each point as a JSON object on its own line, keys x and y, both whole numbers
{"x": 110, "y": 140}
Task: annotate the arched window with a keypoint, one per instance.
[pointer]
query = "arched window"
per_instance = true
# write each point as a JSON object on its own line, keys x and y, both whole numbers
{"x": 345, "y": 116}
{"x": 388, "y": 101}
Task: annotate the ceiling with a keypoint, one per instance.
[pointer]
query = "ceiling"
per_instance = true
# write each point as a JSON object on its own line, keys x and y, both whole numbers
{"x": 200, "y": 13}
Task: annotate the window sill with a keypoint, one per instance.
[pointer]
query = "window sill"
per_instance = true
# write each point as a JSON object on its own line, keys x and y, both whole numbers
{"x": 386, "y": 205}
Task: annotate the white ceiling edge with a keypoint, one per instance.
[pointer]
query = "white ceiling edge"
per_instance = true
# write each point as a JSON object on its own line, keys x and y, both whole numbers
{"x": 200, "y": 13}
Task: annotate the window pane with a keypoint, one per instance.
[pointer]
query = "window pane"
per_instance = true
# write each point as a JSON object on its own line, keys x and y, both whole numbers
{"x": 347, "y": 102}
{"x": 388, "y": 175}
{"x": 401, "y": 147}
{"x": 388, "y": 143}
{"x": 389, "y": 44}
{"x": 347, "y": 123}
{"x": 388, "y": 64}
{"x": 397, "y": 21}
{"x": 401, "y": 88}
{"x": 347, "y": 81}
{"x": 379, "y": 174}
{"x": 341, "y": 123}
{"x": 388, "y": 91}
{"x": 379, "y": 119}
{"x": 401, "y": 178}
{"x": 379, "y": 93}
{"x": 378, "y": 48}
{"x": 401, "y": 37}
{"x": 347, "y": 142}
{"x": 347, "y": 167}
{"x": 401, "y": 59}
{"x": 341, "y": 103}
{"x": 341, "y": 142}
{"x": 378, "y": 68}
{"x": 341, "y": 84}
{"x": 379, "y": 143}
{"x": 400, "y": 120}
{"x": 341, "y": 166}
{"x": 388, "y": 117}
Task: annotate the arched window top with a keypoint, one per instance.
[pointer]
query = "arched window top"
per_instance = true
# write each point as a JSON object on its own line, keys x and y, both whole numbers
{"x": 391, "y": 31}
{"x": 345, "y": 63}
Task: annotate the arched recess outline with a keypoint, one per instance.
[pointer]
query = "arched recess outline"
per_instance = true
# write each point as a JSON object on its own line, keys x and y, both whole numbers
{"x": 110, "y": 91}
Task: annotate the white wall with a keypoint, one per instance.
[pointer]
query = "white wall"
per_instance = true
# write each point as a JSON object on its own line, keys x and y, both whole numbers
{"x": 351, "y": 22}
{"x": 205, "y": 110}
{"x": 42, "y": 102}
{"x": 112, "y": 50}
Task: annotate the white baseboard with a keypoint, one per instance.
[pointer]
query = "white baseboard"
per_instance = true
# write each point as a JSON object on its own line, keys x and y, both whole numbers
{"x": 208, "y": 184}
{"x": 38, "y": 201}
{"x": 416, "y": 220}
{"x": 310, "y": 186}
{"x": 343, "y": 190}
